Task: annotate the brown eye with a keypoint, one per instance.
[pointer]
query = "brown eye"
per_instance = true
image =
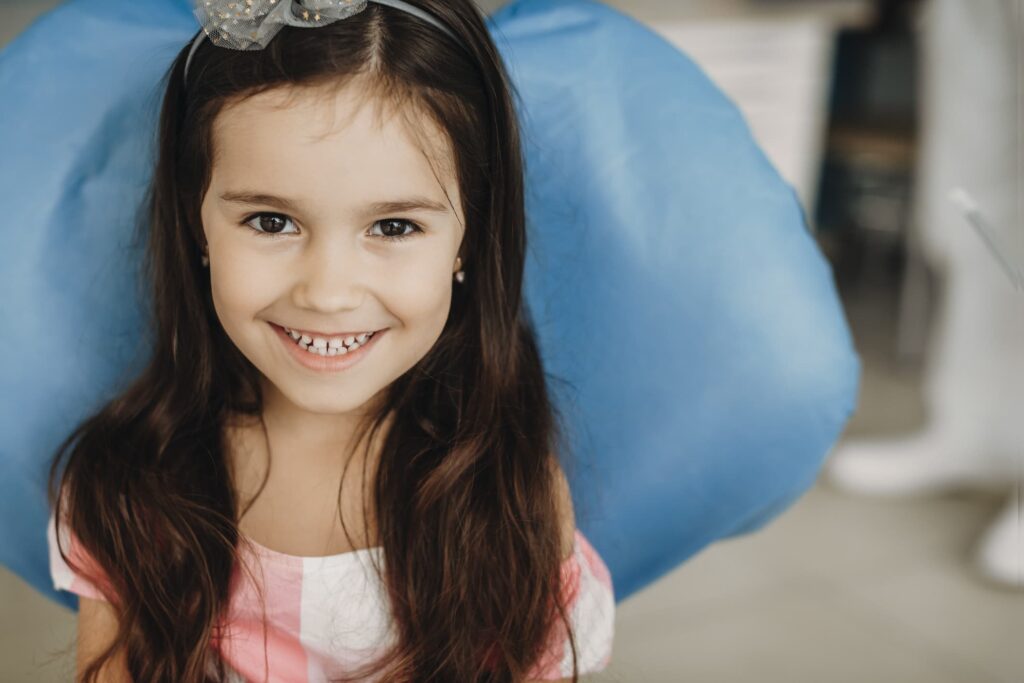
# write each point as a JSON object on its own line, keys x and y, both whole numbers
{"x": 393, "y": 229}
{"x": 268, "y": 223}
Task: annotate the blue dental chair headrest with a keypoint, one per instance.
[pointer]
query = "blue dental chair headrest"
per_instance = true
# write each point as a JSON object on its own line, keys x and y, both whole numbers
{"x": 725, "y": 370}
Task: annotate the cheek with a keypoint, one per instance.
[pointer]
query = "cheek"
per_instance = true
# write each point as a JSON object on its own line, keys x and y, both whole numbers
{"x": 237, "y": 295}
{"x": 421, "y": 297}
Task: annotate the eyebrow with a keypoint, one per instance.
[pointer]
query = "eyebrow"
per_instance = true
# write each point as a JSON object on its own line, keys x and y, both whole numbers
{"x": 398, "y": 205}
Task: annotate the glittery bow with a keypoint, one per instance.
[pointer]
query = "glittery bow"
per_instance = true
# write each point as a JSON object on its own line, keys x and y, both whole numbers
{"x": 250, "y": 24}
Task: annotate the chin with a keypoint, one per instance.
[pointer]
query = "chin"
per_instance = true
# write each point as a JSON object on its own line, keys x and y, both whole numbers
{"x": 328, "y": 402}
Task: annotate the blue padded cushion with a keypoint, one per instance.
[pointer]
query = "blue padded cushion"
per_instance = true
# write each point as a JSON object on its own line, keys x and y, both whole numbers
{"x": 689, "y": 322}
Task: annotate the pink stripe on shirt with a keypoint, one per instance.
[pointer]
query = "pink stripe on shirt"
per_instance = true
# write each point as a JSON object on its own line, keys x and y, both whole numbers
{"x": 243, "y": 644}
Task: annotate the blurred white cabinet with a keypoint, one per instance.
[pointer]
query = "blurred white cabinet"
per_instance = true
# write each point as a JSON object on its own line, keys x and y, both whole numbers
{"x": 773, "y": 58}
{"x": 777, "y": 71}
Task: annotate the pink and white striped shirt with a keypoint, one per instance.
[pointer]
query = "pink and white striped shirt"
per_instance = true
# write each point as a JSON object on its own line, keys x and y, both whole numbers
{"x": 328, "y": 615}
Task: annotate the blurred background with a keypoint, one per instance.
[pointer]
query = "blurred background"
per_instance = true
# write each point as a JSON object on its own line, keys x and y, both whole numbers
{"x": 899, "y": 125}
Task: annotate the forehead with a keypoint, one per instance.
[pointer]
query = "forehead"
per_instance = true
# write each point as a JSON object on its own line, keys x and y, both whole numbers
{"x": 313, "y": 141}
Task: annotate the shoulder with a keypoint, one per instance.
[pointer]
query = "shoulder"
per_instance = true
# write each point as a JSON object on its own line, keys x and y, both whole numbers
{"x": 72, "y": 566}
{"x": 588, "y": 594}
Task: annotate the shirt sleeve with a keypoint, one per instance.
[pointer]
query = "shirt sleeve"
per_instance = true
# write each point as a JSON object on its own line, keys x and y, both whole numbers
{"x": 587, "y": 590}
{"x": 84, "y": 578}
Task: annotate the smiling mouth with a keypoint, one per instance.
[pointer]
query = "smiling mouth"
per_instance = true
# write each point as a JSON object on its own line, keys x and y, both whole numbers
{"x": 329, "y": 345}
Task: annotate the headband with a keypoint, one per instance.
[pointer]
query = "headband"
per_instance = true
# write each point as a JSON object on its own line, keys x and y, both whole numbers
{"x": 250, "y": 24}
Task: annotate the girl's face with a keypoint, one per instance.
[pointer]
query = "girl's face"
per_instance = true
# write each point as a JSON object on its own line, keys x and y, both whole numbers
{"x": 299, "y": 235}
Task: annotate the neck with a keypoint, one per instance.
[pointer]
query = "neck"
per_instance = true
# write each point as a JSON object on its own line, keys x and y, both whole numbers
{"x": 309, "y": 450}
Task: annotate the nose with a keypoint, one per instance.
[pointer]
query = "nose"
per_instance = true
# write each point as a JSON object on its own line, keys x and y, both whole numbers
{"x": 330, "y": 277}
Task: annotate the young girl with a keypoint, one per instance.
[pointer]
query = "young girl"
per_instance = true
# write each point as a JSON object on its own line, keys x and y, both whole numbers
{"x": 341, "y": 461}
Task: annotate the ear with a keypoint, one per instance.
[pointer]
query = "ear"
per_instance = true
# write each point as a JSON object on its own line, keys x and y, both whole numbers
{"x": 566, "y": 515}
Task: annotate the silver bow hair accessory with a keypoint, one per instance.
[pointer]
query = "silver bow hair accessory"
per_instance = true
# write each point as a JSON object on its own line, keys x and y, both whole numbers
{"x": 251, "y": 24}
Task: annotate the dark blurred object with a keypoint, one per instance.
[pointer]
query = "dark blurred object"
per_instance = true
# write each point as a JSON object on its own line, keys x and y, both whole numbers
{"x": 864, "y": 197}
{"x": 895, "y": 15}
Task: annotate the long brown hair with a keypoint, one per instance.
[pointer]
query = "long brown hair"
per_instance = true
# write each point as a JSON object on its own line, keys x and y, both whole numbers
{"x": 463, "y": 497}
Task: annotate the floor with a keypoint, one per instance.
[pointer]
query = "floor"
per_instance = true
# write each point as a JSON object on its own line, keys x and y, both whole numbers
{"x": 837, "y": 589}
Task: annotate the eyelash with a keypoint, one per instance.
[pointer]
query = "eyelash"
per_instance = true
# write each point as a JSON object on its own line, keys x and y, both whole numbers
{"x": 391, "y": 238}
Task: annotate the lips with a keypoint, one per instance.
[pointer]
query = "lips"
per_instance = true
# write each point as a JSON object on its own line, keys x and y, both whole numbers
{"x": 329, "y": 357}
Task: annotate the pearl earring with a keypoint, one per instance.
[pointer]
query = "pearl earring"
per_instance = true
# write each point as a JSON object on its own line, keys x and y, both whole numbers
{"x": 461, "y": 275}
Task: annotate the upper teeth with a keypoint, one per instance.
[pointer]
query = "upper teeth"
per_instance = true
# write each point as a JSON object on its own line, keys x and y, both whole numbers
{"x": 328, "y": 346}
